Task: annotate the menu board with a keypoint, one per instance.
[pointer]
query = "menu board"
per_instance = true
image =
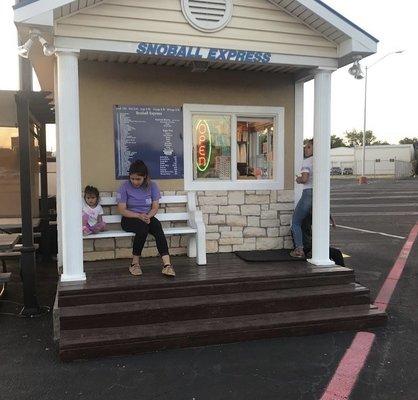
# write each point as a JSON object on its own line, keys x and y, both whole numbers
{"x": 152, "y": 134}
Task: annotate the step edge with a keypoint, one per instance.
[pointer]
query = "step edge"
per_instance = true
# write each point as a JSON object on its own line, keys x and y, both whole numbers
{"x": 111, "y": 307}
{"x": 347, "y": 316}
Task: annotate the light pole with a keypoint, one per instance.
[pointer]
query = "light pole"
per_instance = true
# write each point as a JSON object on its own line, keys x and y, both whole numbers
{"x": 356, "y": 71}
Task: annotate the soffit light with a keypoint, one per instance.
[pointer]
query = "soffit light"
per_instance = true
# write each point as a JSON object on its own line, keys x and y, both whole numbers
{"x": 355, "y": 70}
{"x": 47, "y": 48}
{"x": 23, "y": 50}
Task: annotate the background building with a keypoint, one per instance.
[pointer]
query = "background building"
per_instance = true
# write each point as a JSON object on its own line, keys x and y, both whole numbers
{"x": 396, "y": 160}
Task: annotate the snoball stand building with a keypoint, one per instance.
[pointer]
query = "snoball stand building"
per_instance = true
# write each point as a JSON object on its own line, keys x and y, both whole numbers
{"x": 208, "y": 93}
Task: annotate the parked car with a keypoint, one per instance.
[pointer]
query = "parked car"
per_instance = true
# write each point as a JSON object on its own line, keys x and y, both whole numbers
{"x": 336, "y": 171}
{"x": 348, "y": 171}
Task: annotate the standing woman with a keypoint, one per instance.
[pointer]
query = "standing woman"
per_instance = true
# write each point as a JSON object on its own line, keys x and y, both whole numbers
{"x": 304, "y": 206}
{"x": 138, "y": 203}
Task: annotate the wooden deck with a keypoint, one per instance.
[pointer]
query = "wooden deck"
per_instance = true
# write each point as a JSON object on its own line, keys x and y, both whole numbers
{"x": 225, "y": 301}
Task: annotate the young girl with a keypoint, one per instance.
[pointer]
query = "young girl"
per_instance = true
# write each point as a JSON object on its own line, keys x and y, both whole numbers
{"x": 304, "y": 206}
{"x": 138, "y": 203}
{"x": 92, "y": 212}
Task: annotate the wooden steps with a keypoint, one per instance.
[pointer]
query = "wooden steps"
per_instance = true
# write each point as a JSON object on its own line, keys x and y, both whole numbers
{"x": 213, "y": 306}
{"x": 144, "y": 338}
{"x": 114, "y": 313}
{"x": 134, "y": 291}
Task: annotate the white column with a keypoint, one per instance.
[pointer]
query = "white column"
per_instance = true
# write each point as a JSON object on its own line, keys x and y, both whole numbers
{"x": 70, "y": 166}
{"x": 298, "y": 138}
{"x": 57, "y": 174}
{"x": 321, "y": 164}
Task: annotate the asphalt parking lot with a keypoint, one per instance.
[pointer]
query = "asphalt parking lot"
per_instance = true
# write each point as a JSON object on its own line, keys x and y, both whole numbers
{"x": 283, "y": 368}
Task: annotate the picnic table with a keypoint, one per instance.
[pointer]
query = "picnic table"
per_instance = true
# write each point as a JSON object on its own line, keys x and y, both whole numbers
{"x": 7, "y": 243}
{"x": 8, "y": 240}
{"x": 16, "y": 223}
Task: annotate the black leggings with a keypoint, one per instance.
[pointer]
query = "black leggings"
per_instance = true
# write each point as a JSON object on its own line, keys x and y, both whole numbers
{"x": 141, "y": 230}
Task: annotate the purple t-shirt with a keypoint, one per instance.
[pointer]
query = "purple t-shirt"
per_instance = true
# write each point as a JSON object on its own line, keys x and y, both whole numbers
{"x": 138, "y": 199}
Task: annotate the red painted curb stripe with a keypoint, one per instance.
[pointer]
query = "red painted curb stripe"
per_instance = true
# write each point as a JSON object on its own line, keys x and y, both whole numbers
{"x": 346, "y": 375}
{"x": 386, "y": 291}
{"x": 344, "y": 379}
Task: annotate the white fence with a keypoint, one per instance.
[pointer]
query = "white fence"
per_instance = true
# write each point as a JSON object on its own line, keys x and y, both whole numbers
{"x": 379, "y": 168}
{"x": 404, "y": 169}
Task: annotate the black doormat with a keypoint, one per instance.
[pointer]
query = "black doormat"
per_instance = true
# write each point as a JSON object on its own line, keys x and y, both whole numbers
{"x": 267, "y": 255}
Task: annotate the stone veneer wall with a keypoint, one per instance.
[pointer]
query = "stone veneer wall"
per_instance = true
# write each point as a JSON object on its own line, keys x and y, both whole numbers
{"x": 235, "y": 220}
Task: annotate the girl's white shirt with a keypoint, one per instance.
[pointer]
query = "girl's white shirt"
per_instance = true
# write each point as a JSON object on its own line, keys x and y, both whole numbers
{"x": 307, "y": 166}
{"x": 93, "y": 213}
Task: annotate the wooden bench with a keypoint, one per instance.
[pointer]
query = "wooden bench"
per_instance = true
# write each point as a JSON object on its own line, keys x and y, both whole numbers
{"x": 194, "y": 225}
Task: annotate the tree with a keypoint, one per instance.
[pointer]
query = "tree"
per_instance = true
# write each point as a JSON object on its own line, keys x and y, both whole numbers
{"x": 355, "y": 138}
{"x": 407, "y": 140}
{"x": 336, "y": 141}
{"x": 378, "y": 142}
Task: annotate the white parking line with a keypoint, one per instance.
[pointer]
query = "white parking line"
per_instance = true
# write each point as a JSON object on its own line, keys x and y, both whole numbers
{"x": 374, "y": 213}
{"x": 377, "y": 192}
{"x": 333, "y": 198}
{"x": 365, "y": 205}
{"x": 394, "y": 192}
{"x": 367, "y": 231}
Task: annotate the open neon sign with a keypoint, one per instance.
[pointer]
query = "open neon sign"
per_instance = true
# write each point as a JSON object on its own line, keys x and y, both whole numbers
{"x": 204, "y": 145}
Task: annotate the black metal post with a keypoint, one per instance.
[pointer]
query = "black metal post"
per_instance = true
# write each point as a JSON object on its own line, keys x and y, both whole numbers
{"x": 27, "y": 259}
{"x": 44, "y": 193}
{"x": 25, "y": 74}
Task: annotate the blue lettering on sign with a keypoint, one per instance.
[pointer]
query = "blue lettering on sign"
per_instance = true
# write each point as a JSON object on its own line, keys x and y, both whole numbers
{"x": 212, "y": 54}
{"x": 172, "y": 50}
{"x": 197, "y": 54}
{"x": 162, "y": 50}
{"x": 182, "y": 52}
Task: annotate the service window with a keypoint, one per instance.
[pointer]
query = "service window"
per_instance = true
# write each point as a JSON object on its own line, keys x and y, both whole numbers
{"x": 233, "y": 147}
{"x": 255, "y": 148}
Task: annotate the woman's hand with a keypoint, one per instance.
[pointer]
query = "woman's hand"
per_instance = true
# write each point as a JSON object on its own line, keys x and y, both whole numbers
{"x": 144, "y": 217}
{"x": 302, "y": 178}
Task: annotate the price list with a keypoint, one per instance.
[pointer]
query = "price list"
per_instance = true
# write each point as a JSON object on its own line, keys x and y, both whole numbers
{"x": 152, "y": 134}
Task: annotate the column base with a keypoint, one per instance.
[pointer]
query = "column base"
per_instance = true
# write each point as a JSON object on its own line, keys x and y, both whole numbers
{"x": 326, "y": 262}
{"x": 31, "y": 312}
{"x": 73, "y": 278}
{"x": 362, "y": 180}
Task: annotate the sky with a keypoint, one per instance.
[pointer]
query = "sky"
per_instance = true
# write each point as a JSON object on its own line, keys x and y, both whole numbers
{"x": 392, "y": 83}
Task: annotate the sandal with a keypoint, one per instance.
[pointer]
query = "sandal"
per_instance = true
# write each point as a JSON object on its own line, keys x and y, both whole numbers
{"x": 297, "y": 253}
{"x": 168, "y": 270}
{"x": 135, "y": 269}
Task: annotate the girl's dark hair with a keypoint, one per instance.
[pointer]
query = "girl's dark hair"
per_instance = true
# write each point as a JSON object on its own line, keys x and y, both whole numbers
{"x": 92, "y": 191}
{"x": 139, "y": 167}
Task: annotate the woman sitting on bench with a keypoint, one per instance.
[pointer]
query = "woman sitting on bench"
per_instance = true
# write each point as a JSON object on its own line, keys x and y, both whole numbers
{"x": 138, "y": 203}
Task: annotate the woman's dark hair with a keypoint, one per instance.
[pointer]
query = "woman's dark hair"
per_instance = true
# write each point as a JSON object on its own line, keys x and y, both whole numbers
{"x": 139, "y": 167}
{"x": 92, "y": 191}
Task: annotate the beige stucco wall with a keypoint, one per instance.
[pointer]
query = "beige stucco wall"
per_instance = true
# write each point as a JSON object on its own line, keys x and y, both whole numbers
{"x": 103, "y": 85}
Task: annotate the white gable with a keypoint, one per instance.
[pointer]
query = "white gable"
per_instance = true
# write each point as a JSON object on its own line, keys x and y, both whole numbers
{"x": 307, "y": 28}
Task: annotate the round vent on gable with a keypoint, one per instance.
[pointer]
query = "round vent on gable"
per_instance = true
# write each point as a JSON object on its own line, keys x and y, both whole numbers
{"x": 207, "y": 15}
